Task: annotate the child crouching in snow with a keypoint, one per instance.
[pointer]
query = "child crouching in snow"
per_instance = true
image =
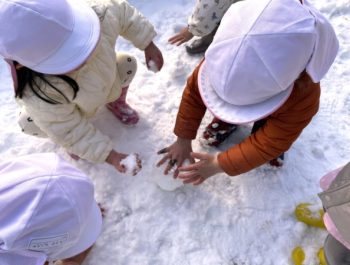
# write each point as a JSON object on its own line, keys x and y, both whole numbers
{"x": 202, "y": 23}
{"x": 264, "y": 66}
{"x": 336, "y": 219}
{"x": 62, "y": 55}
{"x": 48, "y": 212}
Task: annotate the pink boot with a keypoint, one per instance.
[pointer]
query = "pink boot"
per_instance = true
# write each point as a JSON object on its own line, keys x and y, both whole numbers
{"x": 217, "y": 132}
{"x": 122, "y": 110}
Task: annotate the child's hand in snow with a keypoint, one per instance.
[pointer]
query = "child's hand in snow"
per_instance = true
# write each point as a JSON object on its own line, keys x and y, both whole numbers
{"x": 152, "y": 53}
{"x": 199, "y": 171}
{"x": 176, "y": 153}
{"x": 115, "y": 159}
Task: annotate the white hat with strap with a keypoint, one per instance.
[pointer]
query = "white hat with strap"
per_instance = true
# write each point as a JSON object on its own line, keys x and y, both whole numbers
{"x": 51, "y": 37}
{"x": 48, "y": 210}
{"x": 259, "y": 50}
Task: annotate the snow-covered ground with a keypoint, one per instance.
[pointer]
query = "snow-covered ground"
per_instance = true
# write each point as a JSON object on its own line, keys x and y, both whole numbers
{"x": 244, "y": 220}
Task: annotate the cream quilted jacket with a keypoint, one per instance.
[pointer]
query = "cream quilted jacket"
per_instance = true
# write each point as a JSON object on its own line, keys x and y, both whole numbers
{"x": 68, "y": 124}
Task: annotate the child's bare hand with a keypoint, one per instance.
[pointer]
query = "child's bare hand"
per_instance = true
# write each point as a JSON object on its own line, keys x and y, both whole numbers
{"x": 114, "y": 159}
{"x": 176, "y": 153}
{"x": 183, "y": 36}
{"x": 206, "y": 166}
{"x": 153, "y": 54}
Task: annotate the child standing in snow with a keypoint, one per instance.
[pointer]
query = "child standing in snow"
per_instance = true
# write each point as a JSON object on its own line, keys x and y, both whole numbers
{"x": 336, "y": 218}
{"x": 264, "y": 66}
{"x": 48, "y": 212}
{"x": 65, "y": 68}
{"x": 202, "y": 23}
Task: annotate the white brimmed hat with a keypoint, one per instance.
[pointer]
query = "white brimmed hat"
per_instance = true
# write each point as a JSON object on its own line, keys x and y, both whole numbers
{"x": 51, "y": 37}
{"x": 48, "y": 210}
{"x": 259, "y": 50}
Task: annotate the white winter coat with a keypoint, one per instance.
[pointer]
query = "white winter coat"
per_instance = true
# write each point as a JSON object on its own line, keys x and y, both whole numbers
{"x": 207, "y": 15}
{"x": 68, "y": 124}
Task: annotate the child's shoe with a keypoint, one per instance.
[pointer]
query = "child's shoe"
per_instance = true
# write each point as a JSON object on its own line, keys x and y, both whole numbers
{"x": 124, "y": 113}
{"x": 217, "y": 132}
{"x": 298, "y": 256}
{"x": 122, "y": 110}
{"x": 304, "y": 213}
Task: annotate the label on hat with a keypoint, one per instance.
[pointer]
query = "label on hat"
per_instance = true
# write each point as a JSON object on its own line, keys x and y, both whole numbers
{"x": 47, "y": 242}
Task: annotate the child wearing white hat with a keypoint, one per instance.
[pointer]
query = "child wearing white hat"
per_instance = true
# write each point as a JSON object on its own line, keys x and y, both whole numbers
{"x": 264, "y": 64}
{"x": 64, "y": 65}
{"x": 48, "y": 211}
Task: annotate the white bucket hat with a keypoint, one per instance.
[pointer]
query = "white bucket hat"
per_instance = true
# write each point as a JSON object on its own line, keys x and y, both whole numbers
{"x": 51, "y": 37}
{"x": 259, "y": 50}
{"x": 48, "y": 211}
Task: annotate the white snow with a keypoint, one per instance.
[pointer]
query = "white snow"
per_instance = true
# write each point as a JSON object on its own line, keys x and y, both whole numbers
{"x": 167, "y": 182}
{"x": 243, "y": 220}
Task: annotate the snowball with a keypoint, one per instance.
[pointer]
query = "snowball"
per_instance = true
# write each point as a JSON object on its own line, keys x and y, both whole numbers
{"x": 153, "y": 66}
{"x": 167, "y": 182}
{"x": 130, "y": 164}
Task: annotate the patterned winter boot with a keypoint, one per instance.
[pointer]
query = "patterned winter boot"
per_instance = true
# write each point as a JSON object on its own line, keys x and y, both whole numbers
{"x": 122, "y": 110}
{"x": 217, "y": 132}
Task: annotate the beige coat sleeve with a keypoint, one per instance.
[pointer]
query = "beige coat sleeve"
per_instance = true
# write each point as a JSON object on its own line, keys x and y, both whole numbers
{"x": 206, "y": 15}
{"x": 120, "y": 18}
{"x": 66, "y": 126}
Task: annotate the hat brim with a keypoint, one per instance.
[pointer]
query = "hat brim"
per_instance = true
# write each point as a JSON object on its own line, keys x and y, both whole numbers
{"x": 233, "y": 113}
{"x": 13, "y": 72}
{"x": 76, "y": 49}
{"x": 89, "y": 234}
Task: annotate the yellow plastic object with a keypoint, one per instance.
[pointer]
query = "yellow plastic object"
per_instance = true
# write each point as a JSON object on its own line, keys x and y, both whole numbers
{"x": 298, "y": 256}
{"x": 321, "y": 257}
{"x": 304, "y": 214}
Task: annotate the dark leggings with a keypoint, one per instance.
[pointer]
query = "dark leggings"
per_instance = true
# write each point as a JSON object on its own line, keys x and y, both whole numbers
{"x": 257, "y": 125}
{"x": 335, "y": 252}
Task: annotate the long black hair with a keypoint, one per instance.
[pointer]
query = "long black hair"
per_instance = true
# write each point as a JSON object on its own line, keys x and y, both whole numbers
{"x": 26, "y": 76}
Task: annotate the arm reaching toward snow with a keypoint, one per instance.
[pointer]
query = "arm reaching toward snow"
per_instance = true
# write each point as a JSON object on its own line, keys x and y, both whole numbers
{"x": 154, "y": 57}
{"x": 67, "y": 127}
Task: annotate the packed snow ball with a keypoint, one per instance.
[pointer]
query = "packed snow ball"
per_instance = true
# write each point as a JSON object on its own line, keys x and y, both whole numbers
{"x": 132, "y": 164}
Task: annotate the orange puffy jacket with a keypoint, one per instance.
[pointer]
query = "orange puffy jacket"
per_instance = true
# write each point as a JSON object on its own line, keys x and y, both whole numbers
{"x": 281, "y": 129}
